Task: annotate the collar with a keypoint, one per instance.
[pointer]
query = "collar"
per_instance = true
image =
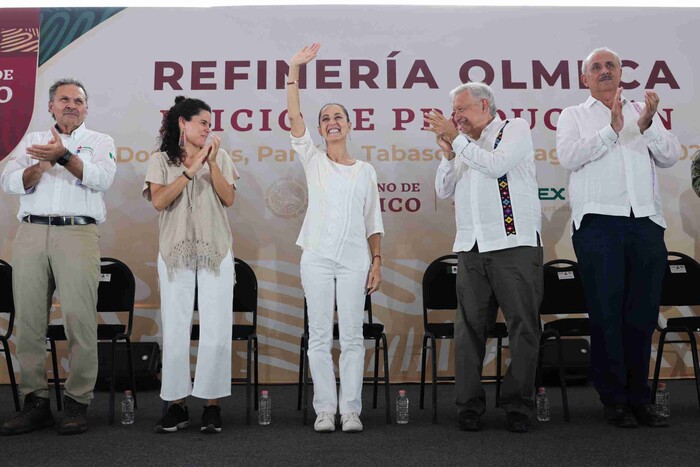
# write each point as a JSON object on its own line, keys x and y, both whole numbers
{"x": 591, "y": 101}
{"x": 491, "y": 128}
{"x": 77, "y": 133}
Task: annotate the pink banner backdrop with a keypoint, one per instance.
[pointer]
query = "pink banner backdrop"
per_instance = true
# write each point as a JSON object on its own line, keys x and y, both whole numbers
{"x": 387, "y": 65}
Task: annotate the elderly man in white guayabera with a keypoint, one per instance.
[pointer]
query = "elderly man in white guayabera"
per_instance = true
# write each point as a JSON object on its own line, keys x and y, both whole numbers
{"x": 489, "y": 169}
{"x": 613, "y": 146}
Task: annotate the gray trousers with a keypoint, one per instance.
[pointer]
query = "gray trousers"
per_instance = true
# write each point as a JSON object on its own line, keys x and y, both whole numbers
{"x": 66, "y": 258}
{"x": 511, "y": 279}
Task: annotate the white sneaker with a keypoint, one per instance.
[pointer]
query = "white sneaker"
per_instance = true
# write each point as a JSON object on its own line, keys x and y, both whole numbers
{"x": 325, "y": 422}
{"x": 351, "y": 422}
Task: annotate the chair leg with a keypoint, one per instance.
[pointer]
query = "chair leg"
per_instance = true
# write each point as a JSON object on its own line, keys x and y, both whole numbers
{"x": 132, "y": 373}
{"x": 499, "y": 355}
{"x": 255, "y": 364}
{"x": 112, "y": 382}
{"x": 302, "y": 353}
{"x": 305, "y": 390}
{"x": 562, "y": 378}
{"x": 422, "y": 370}
{"x": 248, "y": 380}
{"x": 56, "y": 379}
{"x": 696, "y": 367}
{"x": 11, "y": 373}
{"x": 385, "y": 354}
{"x": 433, "y": 363}
{"x": 375, "y": 379}
{"x": 657, "y": 365}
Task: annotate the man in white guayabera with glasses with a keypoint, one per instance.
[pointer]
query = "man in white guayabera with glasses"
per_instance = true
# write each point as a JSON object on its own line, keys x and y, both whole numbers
{"x": 613, "y": 147}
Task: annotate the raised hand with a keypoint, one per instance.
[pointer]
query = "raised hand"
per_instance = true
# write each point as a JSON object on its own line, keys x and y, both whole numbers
{"x": 50, "y": 151}
{"x": 617, "y": 121}
{"x": 651, "y": 103}
{"x": 305, "y": 55}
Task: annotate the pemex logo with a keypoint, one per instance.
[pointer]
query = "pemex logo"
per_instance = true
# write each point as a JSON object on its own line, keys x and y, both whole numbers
{"x": 19, "y": 50}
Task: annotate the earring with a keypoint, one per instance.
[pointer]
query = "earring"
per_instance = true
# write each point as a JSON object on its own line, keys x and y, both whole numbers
{"x": 182, "y": 138}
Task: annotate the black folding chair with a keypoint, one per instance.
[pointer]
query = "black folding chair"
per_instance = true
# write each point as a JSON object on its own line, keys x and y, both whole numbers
{"x": 439, "y": 293}
{"x": 680, "y": 287}
{"x": 7, "y": 307}
{"x": 370, "y": 331}
{"x": 563, "y": 294}
{"x": 115, "y": 294}
{"x": 245, "y": 300}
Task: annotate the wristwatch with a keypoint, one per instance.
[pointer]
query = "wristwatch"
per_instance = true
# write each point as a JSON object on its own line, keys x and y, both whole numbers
{"x": 63, "y": 160}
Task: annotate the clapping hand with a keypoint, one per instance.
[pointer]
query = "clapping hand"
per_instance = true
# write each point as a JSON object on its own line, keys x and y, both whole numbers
{"x": 213, "y": 145}
{"x": 617, "y": 121}
{"x": 651, "y": 103}
{"x": 49, "y": 152}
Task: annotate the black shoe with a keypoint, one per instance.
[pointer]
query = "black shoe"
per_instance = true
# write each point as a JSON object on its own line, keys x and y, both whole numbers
{"x": 649, "y": 415}
{"x": 470, "y": 421}
{"x": 74, "y": 417}
{"x": 211, "y": 419}
{"x": 35, "y": 414}
{"x": 177, "y": 418}
{"x": 518, "y": 422}
{"x": 620, "y": 415}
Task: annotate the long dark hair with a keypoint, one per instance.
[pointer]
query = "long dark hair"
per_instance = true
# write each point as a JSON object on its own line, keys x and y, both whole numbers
{"x": 169, "y": 133}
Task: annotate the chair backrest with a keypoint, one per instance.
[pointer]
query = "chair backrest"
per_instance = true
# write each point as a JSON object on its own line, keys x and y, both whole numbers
{"x": 7, "y": 303}
{"x": 245, "y": 292}
{"x": 368, "y": 309}
{"x": 681, "y": 283}
{"x": 117, "y": 289}
{"x": 563, "y": 288}
{"x": 440, "y": 285}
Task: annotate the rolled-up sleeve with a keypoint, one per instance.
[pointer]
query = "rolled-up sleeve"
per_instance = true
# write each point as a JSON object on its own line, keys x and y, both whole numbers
{"x": 98, "y": 173}
{"x": 304, "y": 147}
{"x": 372, "y": 209}
{"x": 11, "y": 178}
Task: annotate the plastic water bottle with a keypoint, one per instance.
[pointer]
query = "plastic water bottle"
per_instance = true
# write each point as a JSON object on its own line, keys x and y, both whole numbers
{"x": 542, "y": 405}
{"x": 264, "y": 408}
{"x": 127, "y": 408}
{"x": 402, "y": 408}
{"x": 662, "y": 402}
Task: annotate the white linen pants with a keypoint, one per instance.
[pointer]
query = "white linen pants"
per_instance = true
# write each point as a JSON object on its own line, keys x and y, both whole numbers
{"x": 212, "y": 377}
{"x": 324, "y": 279}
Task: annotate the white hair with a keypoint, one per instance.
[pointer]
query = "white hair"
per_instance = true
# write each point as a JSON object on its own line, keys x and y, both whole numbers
{"x": 584, "y": 65}
{"x": 478, "y": 91}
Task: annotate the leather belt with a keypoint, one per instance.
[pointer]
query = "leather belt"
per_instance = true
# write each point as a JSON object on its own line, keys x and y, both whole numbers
{"x": 59, "y": 220}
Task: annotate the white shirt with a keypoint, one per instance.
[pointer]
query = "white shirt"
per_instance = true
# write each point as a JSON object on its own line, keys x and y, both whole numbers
{"x": 612, "y": 175}
{"x": 344, "y": 209}
{"x": 472, "y": 177}
{"x": 58, "y": 192}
